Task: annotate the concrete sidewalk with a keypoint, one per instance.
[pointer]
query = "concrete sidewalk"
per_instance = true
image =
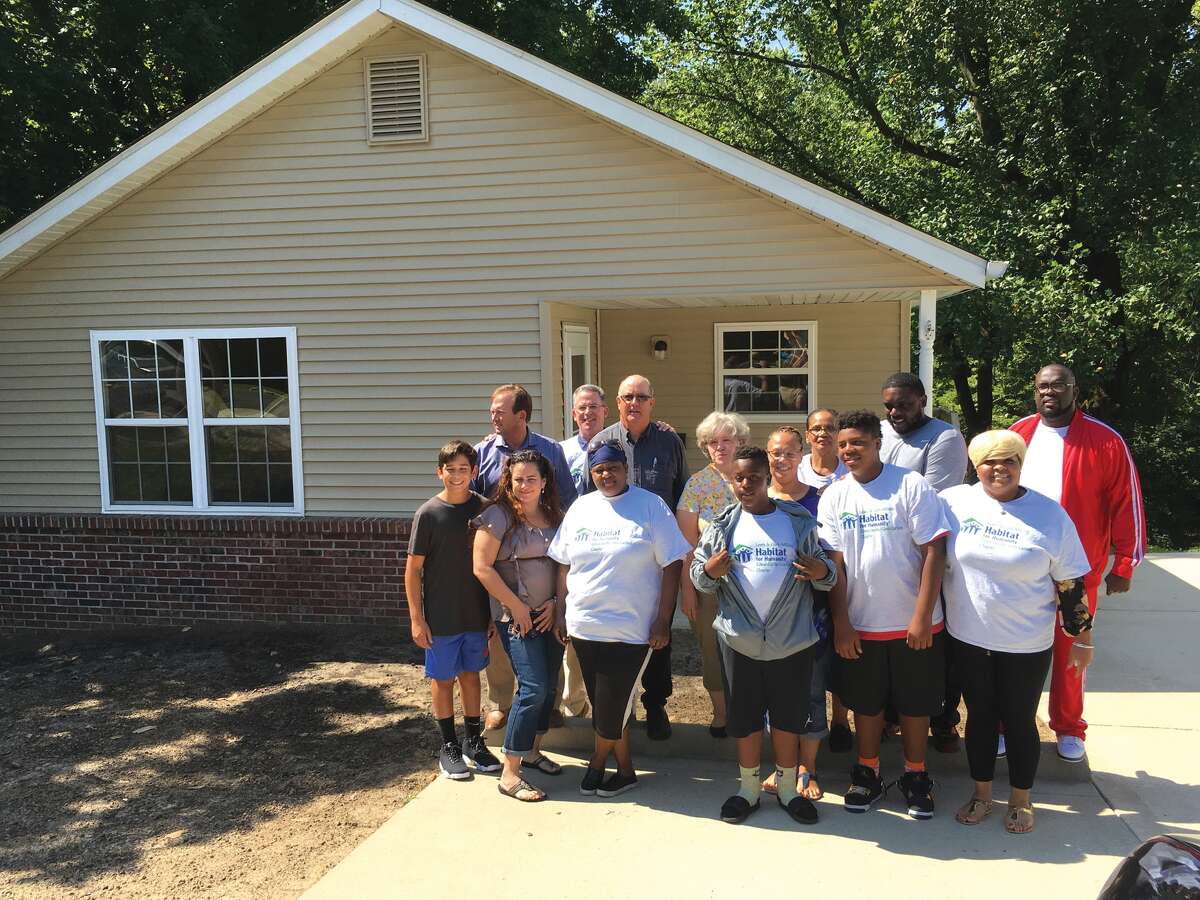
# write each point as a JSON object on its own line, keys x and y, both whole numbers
{"x": 664, "y": 839}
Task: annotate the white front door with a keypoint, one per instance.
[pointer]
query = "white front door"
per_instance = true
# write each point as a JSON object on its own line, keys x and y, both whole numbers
{"x": 577, "y": 367}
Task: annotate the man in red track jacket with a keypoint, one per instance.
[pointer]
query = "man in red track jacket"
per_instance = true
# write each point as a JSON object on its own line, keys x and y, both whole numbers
{"x": 1086, "y": 466}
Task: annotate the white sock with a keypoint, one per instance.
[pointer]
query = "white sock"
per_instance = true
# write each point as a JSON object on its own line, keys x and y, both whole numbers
{"x": 751, "y": 785}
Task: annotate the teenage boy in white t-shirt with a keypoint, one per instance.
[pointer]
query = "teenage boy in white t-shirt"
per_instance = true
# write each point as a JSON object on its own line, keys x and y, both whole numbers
{"x": 885, "y": 526}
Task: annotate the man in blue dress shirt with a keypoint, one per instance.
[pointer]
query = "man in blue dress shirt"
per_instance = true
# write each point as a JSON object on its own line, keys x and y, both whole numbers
{"x": 510, "y": 411}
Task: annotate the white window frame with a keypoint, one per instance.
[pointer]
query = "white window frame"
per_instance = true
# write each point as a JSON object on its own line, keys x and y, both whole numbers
{"x": 719, "y": 329}
{"x": 195, "y": 422}
{"x": 568, "y": 401}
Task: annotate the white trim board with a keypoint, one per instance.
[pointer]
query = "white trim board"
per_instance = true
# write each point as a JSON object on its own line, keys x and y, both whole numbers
{"x": 358, "y": 21}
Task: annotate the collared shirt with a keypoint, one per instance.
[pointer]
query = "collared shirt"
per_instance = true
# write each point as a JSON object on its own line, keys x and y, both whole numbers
{"x": 493, "y": 451}
{"x": 656, "y": 460}
{"x": 575, "y": 450}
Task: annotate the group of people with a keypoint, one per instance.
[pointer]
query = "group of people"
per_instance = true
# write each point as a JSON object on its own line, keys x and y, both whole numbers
{"x": 848, "y": 557}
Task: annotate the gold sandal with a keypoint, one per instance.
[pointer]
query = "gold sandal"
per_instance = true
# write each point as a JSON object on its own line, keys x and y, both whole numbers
{"x": 1015, "y": 817}
{"x": 533, "y": 795}
{"x": 968, "y": 813}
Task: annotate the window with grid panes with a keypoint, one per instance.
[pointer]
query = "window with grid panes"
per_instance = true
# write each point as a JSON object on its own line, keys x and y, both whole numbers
{"x": 200, "y": 420}
{"x": 765, "y": 368}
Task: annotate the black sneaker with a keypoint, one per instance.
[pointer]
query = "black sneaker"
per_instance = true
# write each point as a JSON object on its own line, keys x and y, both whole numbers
{"x": 592, "y": 779}
{"x": 451, "y": 762}
{"x": 865, "y": 789}
{"x": 658, "y": 724}
{"x": 917, "y": 788}
{"x": 616, "y": 784}
{"x": 480, "y": 756}
{"x": 840, "y": 739}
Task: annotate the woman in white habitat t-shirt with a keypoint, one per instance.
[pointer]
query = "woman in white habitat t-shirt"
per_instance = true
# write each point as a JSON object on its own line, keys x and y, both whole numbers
{"x": 621, "y": 554}
{"x": 1011, "y": 550}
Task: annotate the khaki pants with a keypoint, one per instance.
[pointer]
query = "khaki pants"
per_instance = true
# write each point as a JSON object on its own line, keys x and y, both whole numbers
{"x": 706, "y": 637}
{"x": 571, "y": 689}
{"x": 501, "y": 681}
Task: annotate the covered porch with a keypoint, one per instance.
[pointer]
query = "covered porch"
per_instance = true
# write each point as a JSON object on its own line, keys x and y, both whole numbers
{"x": 770, "y": 357}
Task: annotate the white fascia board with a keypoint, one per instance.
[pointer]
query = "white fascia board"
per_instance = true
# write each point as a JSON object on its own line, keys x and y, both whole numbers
{"x": 961, "y": 265}
{"x": 188, "y": 126}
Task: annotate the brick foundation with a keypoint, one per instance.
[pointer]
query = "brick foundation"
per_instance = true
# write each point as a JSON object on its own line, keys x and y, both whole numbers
{"x": 80, "y": 573}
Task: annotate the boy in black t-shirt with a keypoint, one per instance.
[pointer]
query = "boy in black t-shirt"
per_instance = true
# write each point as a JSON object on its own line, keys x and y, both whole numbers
{"x": 451, "y": 618}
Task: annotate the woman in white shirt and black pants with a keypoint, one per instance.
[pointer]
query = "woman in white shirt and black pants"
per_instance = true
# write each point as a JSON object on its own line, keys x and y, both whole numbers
{"x": 1013, "y": 559}
{"x": 621, "y": 554}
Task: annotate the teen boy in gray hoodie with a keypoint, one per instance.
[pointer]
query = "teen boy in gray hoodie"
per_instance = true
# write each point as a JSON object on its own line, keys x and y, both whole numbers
{"x": 761, "y": 557}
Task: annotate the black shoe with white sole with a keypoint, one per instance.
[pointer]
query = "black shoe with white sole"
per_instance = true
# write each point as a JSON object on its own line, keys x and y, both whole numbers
{"x": 592, "y": 779}
{"x": 477, "y": 752}
{"x": 616, "y": 784}
{"x": 865, "y": 789}
{"x": 451, "y": 762}
{"x": 917, "y": 788}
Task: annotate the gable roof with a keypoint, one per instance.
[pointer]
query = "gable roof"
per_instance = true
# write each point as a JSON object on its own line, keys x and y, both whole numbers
{"x": 346, "y": 29}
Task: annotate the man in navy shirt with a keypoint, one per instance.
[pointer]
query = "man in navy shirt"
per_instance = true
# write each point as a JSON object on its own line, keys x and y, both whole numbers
{"x": 657, "y": 464}
{"x": 510, "y": 411}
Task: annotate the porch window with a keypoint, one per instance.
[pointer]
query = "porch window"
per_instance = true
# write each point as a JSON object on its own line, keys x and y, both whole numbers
{"x": 201, "y": 420}
{"x": 765, "y": 369}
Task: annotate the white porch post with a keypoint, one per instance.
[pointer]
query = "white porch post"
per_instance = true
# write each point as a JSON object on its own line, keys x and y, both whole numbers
{"x": 926, "y": 331}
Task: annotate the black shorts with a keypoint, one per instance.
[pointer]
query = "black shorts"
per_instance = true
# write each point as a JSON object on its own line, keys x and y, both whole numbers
{"x": 914, "y": 681}
{"x": 777, "y": 688}
{"x": 610, "y": 672}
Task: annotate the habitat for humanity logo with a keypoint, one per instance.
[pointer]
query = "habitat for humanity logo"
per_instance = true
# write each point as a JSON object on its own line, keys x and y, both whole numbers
{"x": 990, "y": 532}
{"x": 596, "y": 536}
{"x": 742, "y": 553}
{"x": 880, "y": 521}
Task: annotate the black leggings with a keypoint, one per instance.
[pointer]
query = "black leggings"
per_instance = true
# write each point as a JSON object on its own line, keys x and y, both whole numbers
{"x": 1002, "y": 687}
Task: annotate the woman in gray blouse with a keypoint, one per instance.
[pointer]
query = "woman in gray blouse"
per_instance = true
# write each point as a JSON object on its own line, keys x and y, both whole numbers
{"x": 510, "y": 561}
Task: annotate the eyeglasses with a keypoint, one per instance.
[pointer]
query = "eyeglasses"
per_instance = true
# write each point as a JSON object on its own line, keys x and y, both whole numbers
{"x": 629, "y": 398}
{"x": 587, "y": 407}
{"x": 823, "y": 429}
{"x": 1056, "y": 387}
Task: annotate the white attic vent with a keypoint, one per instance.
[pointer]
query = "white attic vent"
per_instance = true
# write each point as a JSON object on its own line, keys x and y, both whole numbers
{"x": 396, "y": 99}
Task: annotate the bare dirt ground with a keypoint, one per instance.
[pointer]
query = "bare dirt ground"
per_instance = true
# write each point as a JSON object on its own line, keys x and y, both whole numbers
{"x": 204, "y": 767}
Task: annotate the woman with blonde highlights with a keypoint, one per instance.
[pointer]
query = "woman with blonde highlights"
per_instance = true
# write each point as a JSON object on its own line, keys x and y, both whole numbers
{"x": 706, "y": 494}
{"x": 1012, "y": 561}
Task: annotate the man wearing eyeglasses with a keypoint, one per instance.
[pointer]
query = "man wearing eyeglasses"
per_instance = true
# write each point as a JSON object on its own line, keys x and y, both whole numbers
{"x": 657, "y": 464}
{"x": 1085, "y": 466}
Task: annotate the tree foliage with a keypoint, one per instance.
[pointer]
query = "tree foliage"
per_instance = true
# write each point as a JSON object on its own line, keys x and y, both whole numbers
{"x": 80, "y": 80}
{"x": 1062, "y": 136}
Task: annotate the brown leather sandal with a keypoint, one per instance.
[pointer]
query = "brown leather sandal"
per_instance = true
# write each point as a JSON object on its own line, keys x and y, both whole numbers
{"x": 523, "y": 791}
{"x": 973, "y": 811}
{"x": 1019, "y": 820}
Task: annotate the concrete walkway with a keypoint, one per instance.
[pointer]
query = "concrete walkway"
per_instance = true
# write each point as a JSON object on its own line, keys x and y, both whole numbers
{"x": 664, "y": 840}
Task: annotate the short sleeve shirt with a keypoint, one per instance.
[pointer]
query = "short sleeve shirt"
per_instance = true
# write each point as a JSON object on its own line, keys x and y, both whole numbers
{"x": 764, "y": 548}
{"x": 454, "y": 599}
{"x": 1002, "y": 560}
{"x": 617, "y": 548}
{"x": 707, "y": 494}
{"x": 521, "y": 560}
{"x": 936, "y": 450}
{"x": 879, "y": 528}
{"x": 575, "y": 451}
{"x": 808, "y": 474}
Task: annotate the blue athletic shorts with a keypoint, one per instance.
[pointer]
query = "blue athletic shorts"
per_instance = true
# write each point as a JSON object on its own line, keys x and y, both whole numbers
{"x": 455, "y": 653}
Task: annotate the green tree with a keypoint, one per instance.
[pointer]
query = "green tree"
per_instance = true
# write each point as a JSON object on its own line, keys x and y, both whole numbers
{"x": 80, "y": 80}
{"x": 1062, "y": 136}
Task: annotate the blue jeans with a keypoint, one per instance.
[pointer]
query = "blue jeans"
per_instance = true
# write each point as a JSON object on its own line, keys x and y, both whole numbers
{"x": 818, "y": 718}
{"x": 536, "y": 660}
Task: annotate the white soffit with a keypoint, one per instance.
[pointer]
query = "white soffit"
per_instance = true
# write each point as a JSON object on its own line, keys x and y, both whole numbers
{"x": 343, "y": 31}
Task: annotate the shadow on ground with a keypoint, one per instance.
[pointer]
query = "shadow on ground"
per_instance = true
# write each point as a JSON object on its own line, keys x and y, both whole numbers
{"x": 241, "y": 731}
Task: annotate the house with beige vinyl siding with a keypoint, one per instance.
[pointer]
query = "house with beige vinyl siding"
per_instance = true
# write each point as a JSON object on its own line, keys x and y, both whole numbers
{"x": 245, "y": 337}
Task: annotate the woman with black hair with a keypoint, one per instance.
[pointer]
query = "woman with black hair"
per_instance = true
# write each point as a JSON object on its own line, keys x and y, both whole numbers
{"x": 510, "y": 560}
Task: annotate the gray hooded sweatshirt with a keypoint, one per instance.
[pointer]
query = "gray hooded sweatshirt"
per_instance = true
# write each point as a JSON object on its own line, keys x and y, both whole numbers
{"x": 789, "y": 626}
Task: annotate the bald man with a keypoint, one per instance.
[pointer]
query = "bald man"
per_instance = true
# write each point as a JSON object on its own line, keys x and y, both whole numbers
{"x": 656, "y": 463}
{"x": 1085, "y": 465}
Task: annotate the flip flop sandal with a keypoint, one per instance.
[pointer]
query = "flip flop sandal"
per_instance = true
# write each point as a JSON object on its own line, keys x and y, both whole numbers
{"x": 805, "y": 779}
{"x": 971, "y": 816}
{"x": 801, "y": 810}
{"x": 543, "y": 764}
{"x": 1014, "y": 818}
{"x": 516, "y": 789}
{"x": 737, "y": 809}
